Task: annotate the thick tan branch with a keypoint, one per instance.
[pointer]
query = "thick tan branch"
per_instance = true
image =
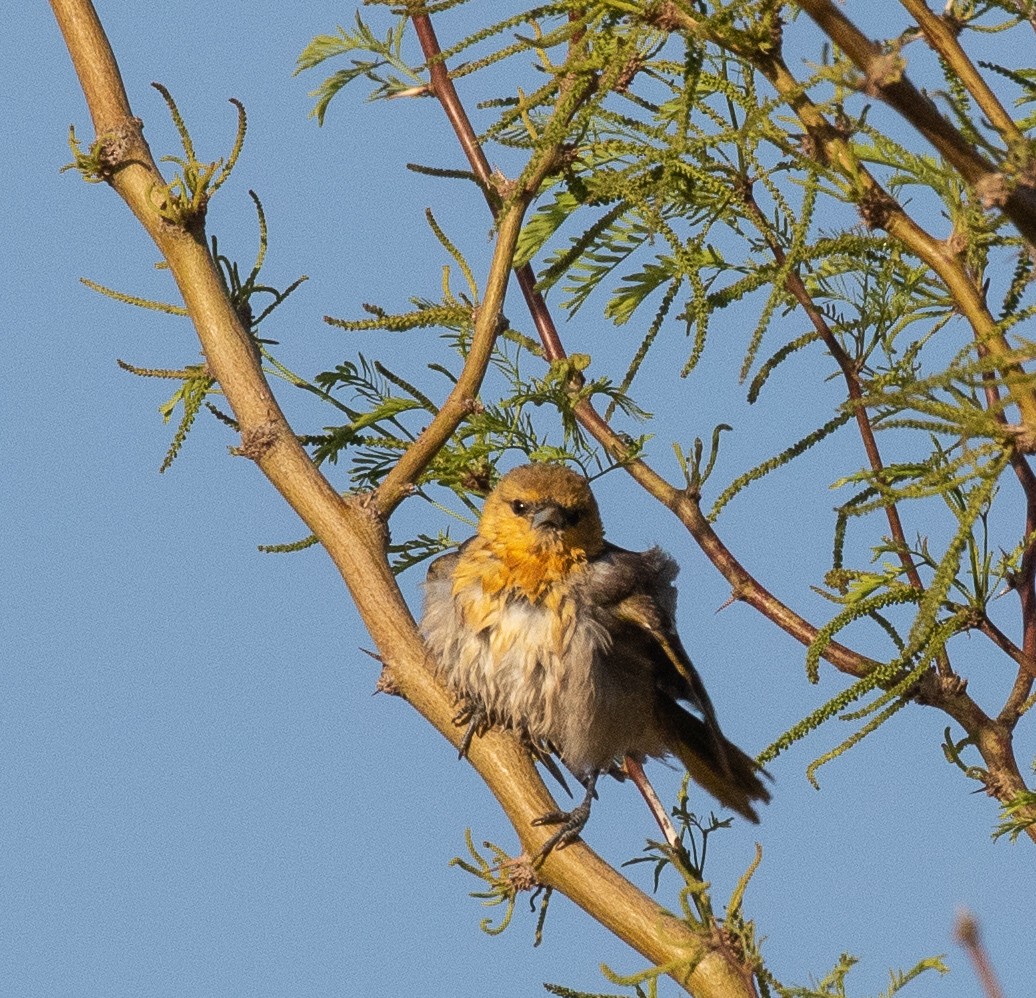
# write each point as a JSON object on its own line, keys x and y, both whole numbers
{"x": 942, "y": 37}
{"x": 885, "y": 77}
{"x": 463, "y": 396}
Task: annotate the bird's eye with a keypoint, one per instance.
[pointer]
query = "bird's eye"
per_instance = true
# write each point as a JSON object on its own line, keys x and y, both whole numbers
{"x": 574, "y": 516}
{"x": 519, "y": 507}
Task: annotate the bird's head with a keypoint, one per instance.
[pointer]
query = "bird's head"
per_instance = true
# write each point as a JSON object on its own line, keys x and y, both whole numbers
{"x": 543, "y": 510}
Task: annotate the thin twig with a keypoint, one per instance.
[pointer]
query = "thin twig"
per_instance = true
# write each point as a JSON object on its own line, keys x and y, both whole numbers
{"x": 1024, "y": 582}
{"x": 1006, "y": 645}
{"x": 850, "y": 374}
{"x": 508, "y": 215}
{"x": 639, "y": 779}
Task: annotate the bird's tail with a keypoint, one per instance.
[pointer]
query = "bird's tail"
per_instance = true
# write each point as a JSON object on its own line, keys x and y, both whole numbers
{"x": 714, "y": 763}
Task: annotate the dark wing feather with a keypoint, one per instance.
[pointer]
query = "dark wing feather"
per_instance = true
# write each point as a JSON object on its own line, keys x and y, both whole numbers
{"x": 443, "y": 566}
{"x": 636, "y": 589}
{"x": 716, "y": 764}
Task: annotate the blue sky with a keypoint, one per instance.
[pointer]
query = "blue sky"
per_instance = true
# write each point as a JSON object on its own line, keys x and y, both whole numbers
{"x": 199, "y": 794}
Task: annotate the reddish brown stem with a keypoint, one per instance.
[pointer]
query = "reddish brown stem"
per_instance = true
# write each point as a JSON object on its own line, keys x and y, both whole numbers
{"x": 639, "y": 779}
{"x": 850, "y": 375}
{"x": 968, "y": 936}
{"x": 446, "y": 93}
{"x": 1024, "y": 583}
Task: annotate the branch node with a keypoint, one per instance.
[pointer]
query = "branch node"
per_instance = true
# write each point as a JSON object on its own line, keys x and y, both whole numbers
{"x": 1023, "y": 436}
{"x": 116, "y": 148}
{"x": 112, "y": 150}
{"x": 953, "y": 685}
{"x": 257, "y": 440}
{"x": 664, "y": 16}
{"x": 998, "y": 785}
{"x": 367, "y": 504}
{"x": 521, "y": 874}
{"x": 993, "y": 190}
{"x": 387, "y": 683}
{"x": 883, "y": 71}
{"x": 876, "y": 207}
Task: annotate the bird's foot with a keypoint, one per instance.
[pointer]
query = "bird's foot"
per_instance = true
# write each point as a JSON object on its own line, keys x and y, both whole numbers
{"x": 473, "y": 713}
{"x": 572, "y": 823}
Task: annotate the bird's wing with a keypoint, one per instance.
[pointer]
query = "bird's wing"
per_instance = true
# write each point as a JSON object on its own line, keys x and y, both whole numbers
{"x": 636, "y": 588}
{"x": 442, "y": 567}
{"x": 636, "y": 592}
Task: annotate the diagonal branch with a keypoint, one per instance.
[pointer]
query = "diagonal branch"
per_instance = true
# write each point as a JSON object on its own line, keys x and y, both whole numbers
{"x": 941, "y": 35}
{"x": 850, "y": 375}
{"x": 885, "y": 77}
{"x": 508, "y": 213}
{"x": 878, "y": 207}
{"x": 446, "y": 93}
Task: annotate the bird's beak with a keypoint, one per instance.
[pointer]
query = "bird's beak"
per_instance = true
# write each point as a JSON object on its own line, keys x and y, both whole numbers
{"x": 550, "y": 515}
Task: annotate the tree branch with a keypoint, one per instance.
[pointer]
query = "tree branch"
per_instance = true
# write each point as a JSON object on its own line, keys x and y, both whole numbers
{"x": 879, "y": 208}
{"x": 941, "y": 35}
{"x": 850, "y": 376}
{"x": 966, "y": 931}
{"x": 945, "y": 692}
{"x": 885, "y": 77}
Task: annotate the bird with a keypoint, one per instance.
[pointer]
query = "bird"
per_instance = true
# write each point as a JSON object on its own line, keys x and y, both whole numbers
{"x": 539, "y": 625}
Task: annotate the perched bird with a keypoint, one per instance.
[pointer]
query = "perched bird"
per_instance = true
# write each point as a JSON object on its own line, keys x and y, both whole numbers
{"x": 540, "y": 625}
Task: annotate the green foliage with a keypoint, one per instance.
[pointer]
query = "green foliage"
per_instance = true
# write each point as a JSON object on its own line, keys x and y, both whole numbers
{"x": 185, "y": 199}
{"x": 387, "y": 69}
{"x": 833, "y": 984}
{"x": 693, "y": 207}
{"x": 563, "y": 992}
{"x": 241, "y": 291}
{"x": 684, "y": 202}
{"x": 184, "y": 203}
{"x": 385, "y": 408}
{"x": 157, "y": 306}
{"x": 693, "y": 472}
{"x": 196, "y": 384}
{"x": 385, "y": 411}
{"x": 1017, "y": 816}
{"x": 772, "y": 464}
{"x": 415, "y": 550}
{"x": 687, "y": 858}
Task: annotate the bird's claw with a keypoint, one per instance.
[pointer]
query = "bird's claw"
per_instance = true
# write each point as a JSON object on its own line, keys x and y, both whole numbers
{"x": 572, "y": 822}
{"x": 476, "y": 717}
